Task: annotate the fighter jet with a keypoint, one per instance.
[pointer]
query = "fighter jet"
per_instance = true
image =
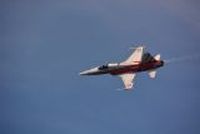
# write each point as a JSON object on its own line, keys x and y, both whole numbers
{"x": 138, "y": 61}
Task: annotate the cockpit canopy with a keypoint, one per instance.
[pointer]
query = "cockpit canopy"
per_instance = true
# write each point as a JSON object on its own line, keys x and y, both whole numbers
{"x": 103, "y": 67}
{"x": 108, "y": 65}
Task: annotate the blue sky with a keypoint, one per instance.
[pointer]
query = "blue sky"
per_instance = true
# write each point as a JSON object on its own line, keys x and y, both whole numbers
{"x": 46, "y": 43}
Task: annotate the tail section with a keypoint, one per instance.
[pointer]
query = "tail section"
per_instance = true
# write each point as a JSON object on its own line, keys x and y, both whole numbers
{"x": 152, "y": 73}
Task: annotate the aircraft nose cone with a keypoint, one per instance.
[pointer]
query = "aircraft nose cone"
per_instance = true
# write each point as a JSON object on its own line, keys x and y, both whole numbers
{"x": 83, "y": 73}
{"x": 89, "y": 72}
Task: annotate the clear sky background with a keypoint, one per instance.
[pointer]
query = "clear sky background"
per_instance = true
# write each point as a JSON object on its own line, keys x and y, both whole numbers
{"x": 44, "y": 44}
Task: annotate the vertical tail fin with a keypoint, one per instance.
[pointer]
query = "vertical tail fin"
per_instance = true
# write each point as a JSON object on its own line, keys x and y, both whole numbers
{"x": 135, "y": 57}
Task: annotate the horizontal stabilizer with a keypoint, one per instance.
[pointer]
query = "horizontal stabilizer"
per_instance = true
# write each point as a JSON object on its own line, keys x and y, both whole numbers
{"x": 157, "y": 57}
{"x": 152, "y": 74}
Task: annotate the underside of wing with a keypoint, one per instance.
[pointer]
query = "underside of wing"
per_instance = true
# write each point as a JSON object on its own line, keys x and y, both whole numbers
{"x": 128, "y": 80}
{"x": 135, "y": 57}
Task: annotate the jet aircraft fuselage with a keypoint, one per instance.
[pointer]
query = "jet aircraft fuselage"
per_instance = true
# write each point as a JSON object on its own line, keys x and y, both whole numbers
{"x": 127, "y": 70}
{"x": 117, "y": 68}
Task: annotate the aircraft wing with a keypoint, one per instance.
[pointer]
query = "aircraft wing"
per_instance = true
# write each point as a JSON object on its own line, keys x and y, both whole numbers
{"x": 128, "y": 80}
{"x": 135, "y": 57}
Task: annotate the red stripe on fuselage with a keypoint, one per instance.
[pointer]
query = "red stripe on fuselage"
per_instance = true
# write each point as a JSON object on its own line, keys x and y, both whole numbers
{"x": 135, "y": 68}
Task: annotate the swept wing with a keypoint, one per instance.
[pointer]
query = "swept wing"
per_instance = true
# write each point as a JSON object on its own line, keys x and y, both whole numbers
{"x": 135, "y": 57}
{"x": 128, "y": 80}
